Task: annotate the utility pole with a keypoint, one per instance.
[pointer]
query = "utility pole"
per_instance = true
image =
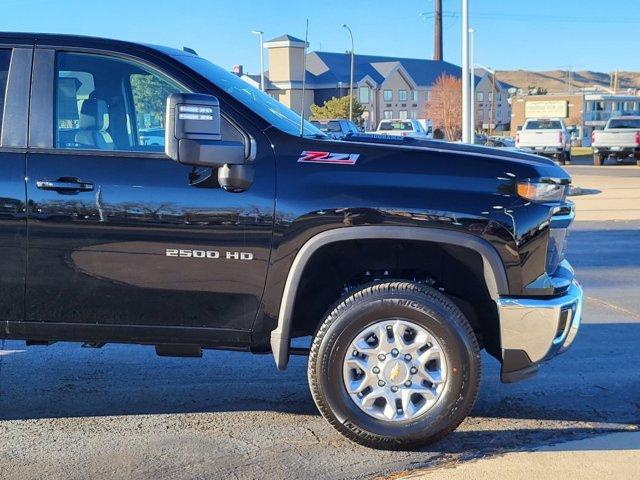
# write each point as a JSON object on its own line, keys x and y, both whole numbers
{"x": 260, "y": 34}
{"x": 437, "y": 31}
{"x": 344, "y": 25}
{"x": 466, "y": 104}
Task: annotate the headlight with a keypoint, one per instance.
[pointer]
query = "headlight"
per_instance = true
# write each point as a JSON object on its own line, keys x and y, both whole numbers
{"x": 542, "y": 191}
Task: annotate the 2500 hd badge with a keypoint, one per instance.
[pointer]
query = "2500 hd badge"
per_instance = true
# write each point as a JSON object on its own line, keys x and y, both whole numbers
{"x": 211, "y": 254}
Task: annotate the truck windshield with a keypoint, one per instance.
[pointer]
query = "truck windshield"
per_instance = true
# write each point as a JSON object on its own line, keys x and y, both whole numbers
{"x": 331, "y": 126}
{"x": 543, "y": 125}
{"x": 274, "y": 112}
{"x": 624, "y": 123}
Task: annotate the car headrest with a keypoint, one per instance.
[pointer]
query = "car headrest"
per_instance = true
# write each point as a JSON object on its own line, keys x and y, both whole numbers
{"x": 94, "y": 115}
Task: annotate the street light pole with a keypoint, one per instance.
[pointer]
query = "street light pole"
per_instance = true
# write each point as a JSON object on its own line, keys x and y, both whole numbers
{"x": 260, "y": 34}
{"x": 466, "y": 133}
{"x": 472, "y": 117}
{"x": 344, "y": 25}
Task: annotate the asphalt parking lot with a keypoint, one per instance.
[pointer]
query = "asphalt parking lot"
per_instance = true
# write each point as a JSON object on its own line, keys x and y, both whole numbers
{"x": 121, "y": 412}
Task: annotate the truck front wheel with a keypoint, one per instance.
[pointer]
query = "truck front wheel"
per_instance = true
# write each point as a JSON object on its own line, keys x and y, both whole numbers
{"x": 394, "y": 365}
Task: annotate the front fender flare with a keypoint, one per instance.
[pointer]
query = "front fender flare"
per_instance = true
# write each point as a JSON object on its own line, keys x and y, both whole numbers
{"x": 494, "y": 273}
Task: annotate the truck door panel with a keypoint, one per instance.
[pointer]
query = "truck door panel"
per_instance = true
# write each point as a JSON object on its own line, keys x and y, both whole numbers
{"x": 15, "y": 71}
{"x": 119, "y": 234}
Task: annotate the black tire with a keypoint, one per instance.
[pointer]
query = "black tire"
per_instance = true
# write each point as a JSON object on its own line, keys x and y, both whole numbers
{"x": 567, "y": 157}
{"x": 598, "y": 159}
{"x": 417, "y": 303}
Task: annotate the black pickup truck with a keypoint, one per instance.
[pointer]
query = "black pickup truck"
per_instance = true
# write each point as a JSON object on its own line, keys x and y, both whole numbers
{"x": 241, "y": 228}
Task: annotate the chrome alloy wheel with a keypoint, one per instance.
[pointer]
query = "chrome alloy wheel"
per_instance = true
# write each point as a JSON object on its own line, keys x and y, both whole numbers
{"x": 395, "y": 370}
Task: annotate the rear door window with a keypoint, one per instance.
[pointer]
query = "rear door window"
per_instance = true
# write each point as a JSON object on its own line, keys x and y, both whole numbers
{"x": 397, "y": 126}
{"x": 544, "y": 125}
{"x": 5, "y": 60}
{"x": 633, "y": 123}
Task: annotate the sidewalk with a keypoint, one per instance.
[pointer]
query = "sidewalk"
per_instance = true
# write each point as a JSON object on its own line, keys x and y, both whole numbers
{"x": 613, "y": 456}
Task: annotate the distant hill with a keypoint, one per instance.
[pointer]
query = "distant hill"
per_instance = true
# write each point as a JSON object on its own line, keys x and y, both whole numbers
{"x": 556, "y": 81}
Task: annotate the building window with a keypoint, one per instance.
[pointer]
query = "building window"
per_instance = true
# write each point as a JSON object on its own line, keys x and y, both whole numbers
{"x": 363, "y": 94}
{"x": 402, "y": 95}
{"x": 480, "y": 96}
{"x": 414, "y": 96}
{"x": 427, "y": 95}
{"x": 388, "y": 95}
{"x": 490, "y": 96}
{"x": 414, "y": 114}
{"x": 387, "y": 114}
{"x": 403, "y": 114}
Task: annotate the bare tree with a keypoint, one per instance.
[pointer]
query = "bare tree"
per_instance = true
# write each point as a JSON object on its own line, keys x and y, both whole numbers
{"x": 444, "y": 108}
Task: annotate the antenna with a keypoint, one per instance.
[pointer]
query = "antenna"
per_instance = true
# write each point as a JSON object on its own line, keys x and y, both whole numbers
{"x": 304, "y": 77}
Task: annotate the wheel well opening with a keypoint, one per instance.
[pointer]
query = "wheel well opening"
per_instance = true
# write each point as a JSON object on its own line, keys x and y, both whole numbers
{"x": 340, "y": 267}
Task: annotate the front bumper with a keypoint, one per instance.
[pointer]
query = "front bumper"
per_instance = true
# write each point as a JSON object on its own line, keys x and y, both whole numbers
{"x": 533, "y": 330}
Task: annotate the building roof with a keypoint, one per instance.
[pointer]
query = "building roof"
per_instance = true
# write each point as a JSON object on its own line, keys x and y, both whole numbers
{"x": 332, "y": 68}
{"x": 285, "y": 38}
{"x": 499, "y": 83}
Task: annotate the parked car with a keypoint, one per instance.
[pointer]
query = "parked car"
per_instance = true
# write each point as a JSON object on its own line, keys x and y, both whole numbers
{"x": 620, "y": 139}
{"x": 336, "y": 128}
{"x": 500, "y": 142}
{"x": 401, "y": 259}
{"x": 152, "y": 136}
{"x": 403, "y": 128}
{"x": 545, "y": 136}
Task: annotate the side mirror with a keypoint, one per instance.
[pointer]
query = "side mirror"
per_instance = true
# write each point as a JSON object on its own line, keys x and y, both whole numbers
{"x": 193, "y": 137}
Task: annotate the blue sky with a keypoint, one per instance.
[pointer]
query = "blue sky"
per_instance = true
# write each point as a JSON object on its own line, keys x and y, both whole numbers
{"x": 511, "y": 34}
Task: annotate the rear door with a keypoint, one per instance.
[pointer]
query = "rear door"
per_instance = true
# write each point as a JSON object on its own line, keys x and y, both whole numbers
{"x": 121, "y": 237}
{"x": 15, "y": 70}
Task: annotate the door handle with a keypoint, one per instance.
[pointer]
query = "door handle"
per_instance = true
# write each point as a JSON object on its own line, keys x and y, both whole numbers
{"x": 65, "y": 185}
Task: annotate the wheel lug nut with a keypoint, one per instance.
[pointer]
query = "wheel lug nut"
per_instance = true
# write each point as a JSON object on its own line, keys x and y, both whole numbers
{"x": 376, "y": 370}
{"x": 394, "y": 352}
{"x": 407, "y": 357}
{"x": 381, "y": 383}
{"x": 394, "y": 389}
{"x": 413, "y": 370}
{"x": 407, "y": 383}
{"x": 382, "y": 357}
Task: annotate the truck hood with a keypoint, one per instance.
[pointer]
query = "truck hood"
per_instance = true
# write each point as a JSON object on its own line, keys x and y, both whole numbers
{"x": 508, "y": 153}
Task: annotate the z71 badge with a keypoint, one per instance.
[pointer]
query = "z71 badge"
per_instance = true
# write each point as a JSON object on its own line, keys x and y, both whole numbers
{"x": 328, "y": 157}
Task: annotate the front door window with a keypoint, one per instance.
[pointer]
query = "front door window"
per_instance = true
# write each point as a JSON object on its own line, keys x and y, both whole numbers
{"x": 105, "y": 103}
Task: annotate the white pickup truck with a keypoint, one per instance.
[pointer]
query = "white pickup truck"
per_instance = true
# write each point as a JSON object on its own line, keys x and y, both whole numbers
{"x": 619, "y": 139}
{"x": 545, "y": 136}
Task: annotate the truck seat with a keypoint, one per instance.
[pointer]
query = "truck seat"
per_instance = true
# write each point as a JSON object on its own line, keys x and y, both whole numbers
{"x": 93, "y": 125}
